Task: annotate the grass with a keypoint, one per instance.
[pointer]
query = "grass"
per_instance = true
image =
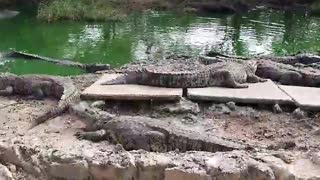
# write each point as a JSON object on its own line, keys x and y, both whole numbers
{"x": 104, "y": 10}
{"x": 91, "y": 10}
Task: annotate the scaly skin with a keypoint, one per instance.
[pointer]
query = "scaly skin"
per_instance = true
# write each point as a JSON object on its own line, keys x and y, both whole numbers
{"x": 230, "y": 74}
{"x": 39, "y": 87}
{"x": 283, "y": 73}
{"x": 138, "y": 132}
{"x": 287, "y": 74}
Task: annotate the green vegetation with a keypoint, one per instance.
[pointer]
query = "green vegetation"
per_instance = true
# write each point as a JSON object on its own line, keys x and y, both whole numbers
{"x": 91, "y": 10}
{"x": 103, "y": 10}
{"x": 94, "y": 10}
{"x": 315, "y": 7}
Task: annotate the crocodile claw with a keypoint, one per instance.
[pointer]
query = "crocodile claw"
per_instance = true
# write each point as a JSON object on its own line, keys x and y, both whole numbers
{"x": 79, "y": 135}
{"x": 263, "y": 80}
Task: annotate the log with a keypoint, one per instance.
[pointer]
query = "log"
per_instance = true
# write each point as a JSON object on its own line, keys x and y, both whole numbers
{"x": 302, "y": 58}
{"x": 305, "y": 59}
{"x": 90, "y": 68}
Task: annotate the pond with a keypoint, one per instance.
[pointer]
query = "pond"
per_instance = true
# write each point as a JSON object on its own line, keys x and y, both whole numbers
{"x": 253, "y": 33}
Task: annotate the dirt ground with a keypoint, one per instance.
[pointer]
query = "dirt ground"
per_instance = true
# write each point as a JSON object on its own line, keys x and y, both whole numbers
{"x": 253, "y": 125}
{"x": 287, "y": 145}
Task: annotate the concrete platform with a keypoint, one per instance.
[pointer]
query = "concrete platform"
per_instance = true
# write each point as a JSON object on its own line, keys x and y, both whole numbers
{"x": 304, "y": 97}
{"x": 128, "y": 91}
{"x": 257, "y": 93}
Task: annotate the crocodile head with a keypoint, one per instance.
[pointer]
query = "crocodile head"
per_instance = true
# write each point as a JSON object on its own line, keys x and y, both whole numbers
{"x": 252, "y": 65}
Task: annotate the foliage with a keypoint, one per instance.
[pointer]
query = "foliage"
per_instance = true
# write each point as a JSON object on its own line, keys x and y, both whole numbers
{"x": 94, "y": 10}
{"x": 315, "y": 7}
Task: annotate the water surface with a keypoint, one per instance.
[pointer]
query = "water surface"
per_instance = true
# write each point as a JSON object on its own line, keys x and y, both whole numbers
{"x": 254, "y": 33}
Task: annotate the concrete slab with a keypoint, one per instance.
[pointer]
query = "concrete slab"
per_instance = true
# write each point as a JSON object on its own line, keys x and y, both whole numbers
{"x": 128, "y": 91}
{"x": 257, "y": 93}
{"x": 304, "y": 97}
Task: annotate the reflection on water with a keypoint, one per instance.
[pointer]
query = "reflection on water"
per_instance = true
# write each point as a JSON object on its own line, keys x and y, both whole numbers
{"x": 257, "y": 32}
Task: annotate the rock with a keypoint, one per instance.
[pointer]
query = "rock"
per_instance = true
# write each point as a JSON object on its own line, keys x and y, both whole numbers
{"x": 67, "y": 166}
{"x": 181, "y": 107}
{"x": 279, "y": 168}
{"x": 118, "y": 148}
{"x": 299, "y": 114}
{"x": 231, "y": 105}
{"x": 285, "y": 156}
{"x": 189, "y": 119}
{"x": 316, "y": 132}
{"x": 12, "y": 168}
{"x": 236, "y": 165}
{"x": 288, "y": 144}
{"x": 315, "y": 158}
{"x": 106, "y": 165}
{"x": 268, "y": 134}
{"x": 72, "y": 171}
{"x": 98, "y": 104}
{"x": 5, "y": 174}
{"x": 248, "y": 112}
{"x": 151, "y": 165}
{"x": 277, "y": 109}
{"x": 220, "y": 108}
{"x": 175, "y": 174}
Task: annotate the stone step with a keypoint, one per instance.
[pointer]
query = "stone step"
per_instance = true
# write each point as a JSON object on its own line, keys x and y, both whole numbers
{"x": 257, "y": 93}
{"x": 307, "y": 98}
{"x": 128, "y": 91}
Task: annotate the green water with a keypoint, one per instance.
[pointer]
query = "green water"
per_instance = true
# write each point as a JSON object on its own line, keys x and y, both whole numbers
{"x": 116, "y": 43}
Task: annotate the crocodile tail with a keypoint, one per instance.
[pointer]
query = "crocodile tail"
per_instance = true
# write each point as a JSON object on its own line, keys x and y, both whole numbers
{"x": 48, "y": 115}
{"x": 63, "y": 106}
{"x": 128, "y": 78}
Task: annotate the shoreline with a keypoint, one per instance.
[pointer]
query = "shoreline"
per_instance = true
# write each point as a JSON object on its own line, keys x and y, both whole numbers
{"x": 99, "y": 10}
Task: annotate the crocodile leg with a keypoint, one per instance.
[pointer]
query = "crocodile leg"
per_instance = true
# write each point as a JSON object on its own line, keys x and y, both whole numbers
{"x": 290, "y": 78}
{"x": 8, "y": 91}
{"x": 92, "y": 136}
{"x": 130, "y": 78}
{"x": 119, "y": 80}
{"x": 40, "y": 90}
{"x": 254, "y": 79}
{"x": 231, "y": 83}
{"x": 38, "y": 94}
{"x": 227, "y": 79}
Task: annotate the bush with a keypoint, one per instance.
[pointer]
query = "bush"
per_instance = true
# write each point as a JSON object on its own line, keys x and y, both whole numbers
{"x": 92, "y": 10}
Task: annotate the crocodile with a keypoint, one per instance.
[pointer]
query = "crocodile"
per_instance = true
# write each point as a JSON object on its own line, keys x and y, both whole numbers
{"x": 150, "y": 134}
{"x": 232, "y": 74}
{"x": 39, "y": 87}
{"x": 287, "y": 74}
